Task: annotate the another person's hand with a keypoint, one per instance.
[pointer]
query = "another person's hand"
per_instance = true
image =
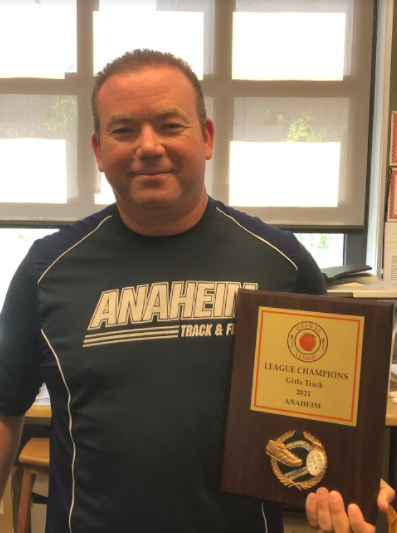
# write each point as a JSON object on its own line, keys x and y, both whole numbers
{"x": 326, "y": 510}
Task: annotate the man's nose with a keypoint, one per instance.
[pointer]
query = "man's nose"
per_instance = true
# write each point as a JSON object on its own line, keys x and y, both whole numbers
{"x": 149, "y": 143}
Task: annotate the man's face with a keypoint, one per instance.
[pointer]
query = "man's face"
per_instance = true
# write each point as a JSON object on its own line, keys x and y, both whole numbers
{"x": 151, "y": 146}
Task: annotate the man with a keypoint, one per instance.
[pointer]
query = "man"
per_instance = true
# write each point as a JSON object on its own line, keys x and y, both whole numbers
{"x": 127, "y": 316}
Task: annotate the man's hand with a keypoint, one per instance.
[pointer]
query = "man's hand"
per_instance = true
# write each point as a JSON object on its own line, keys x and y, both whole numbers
{"x": 326, "y": 510}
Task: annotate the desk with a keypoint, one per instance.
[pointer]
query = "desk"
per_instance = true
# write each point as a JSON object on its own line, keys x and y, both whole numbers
{"x": 391, "y": 413}
{"x": 39, "y": 411}
{"x": 38, "y": 414}
{"x": 41, "y": 414}
{"x": 44, "y": 412}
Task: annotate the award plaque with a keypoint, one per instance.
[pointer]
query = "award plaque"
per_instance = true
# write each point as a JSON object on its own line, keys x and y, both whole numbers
{"x": 308, "y": 397}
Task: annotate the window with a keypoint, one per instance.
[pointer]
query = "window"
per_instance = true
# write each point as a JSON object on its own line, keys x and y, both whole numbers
{"x": 300, "y": 111}
{"x": 326, "y": 248}
{"x": 17, "y": 242}
{"x": 287, "y": 83}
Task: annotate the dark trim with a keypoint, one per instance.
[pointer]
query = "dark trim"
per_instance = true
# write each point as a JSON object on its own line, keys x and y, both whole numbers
{"x": 355, "y": 248}
{"x": 321, "y": 229}
{"x": 31, "y": 224}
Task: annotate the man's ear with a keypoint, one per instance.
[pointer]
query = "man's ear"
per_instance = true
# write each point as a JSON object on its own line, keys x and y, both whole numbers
{"x": 97, "y": 150}
{"x": 209, "y": 133}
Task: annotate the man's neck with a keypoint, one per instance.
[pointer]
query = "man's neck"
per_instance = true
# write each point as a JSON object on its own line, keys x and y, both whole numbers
{"x": 160, "y": 224}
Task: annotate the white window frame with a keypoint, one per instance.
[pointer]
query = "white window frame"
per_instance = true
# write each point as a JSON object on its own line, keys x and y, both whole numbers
{"x": 223, "y": 89}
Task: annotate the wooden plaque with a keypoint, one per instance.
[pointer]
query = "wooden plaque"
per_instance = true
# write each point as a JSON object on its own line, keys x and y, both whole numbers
{"x": 308, "y": 397}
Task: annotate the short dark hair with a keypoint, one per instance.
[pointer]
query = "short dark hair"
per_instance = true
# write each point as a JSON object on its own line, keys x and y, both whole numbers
{"x": 139, "y": 60}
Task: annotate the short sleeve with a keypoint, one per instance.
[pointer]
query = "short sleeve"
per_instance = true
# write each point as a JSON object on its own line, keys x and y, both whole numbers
{"x": 310, "y": 280}
{"x": 19, "y": 335}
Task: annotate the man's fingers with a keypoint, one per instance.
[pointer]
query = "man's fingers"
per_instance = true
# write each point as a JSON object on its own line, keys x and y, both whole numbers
{"x": 311, "y": 509}
{"x": 323, "y": 510}
{"x": 385, "y": 496}
{"x": 357, "y": 522}
{"x": 340, "y": 521}
{"x": 326, "y": 511}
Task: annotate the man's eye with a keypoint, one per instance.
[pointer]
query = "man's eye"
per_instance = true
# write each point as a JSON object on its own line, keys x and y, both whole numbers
{"x": 173, "y": 126}
{"x": 121, "y": 131}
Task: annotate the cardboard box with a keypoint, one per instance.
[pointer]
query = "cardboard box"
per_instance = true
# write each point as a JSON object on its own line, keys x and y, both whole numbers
{"x": 40, "y": 485}
{"x": 39, "y": 504}
{"x": 6, "y": 510}
{"x": 38, "y": 514}
{"x": 390, "y": 253}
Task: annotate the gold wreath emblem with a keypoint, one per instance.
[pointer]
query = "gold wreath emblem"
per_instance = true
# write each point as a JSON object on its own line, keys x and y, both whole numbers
{"x": 314, "y": 468}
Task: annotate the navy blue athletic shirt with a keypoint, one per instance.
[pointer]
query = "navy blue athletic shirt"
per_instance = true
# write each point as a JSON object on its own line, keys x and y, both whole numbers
{"x": 133, "y": 337}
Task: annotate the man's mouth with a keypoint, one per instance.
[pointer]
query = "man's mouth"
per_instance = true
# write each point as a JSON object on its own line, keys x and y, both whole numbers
{"x": 151, "y": 173}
